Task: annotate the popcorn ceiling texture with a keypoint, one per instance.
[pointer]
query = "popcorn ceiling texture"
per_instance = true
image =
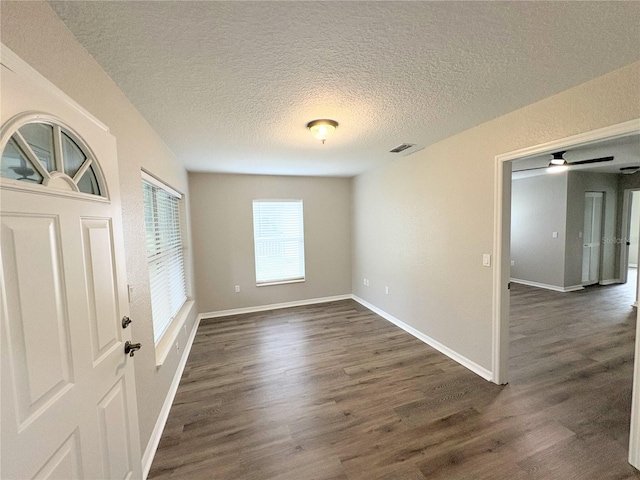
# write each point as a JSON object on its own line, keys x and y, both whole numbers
{"x": 230, "y": 86}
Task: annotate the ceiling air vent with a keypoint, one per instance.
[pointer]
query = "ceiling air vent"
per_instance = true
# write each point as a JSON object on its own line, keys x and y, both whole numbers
{"x": 406, "y": 149}
{"x": 401, "y": 148}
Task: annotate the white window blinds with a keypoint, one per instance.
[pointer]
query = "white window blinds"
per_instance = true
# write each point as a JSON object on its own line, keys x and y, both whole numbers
{"x": 278, "y": 234}
{"x": 164, "y": 253}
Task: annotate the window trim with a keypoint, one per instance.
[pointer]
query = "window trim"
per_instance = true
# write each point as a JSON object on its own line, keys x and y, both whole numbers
{"x": 304, "y": 266}
{"x": 282, "y": 282}
{"x": 160, "y": 184}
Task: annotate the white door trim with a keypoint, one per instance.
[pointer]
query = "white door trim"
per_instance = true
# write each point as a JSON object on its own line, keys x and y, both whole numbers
{"x": 501, "y": 252}
{"x": 626, "y": 225}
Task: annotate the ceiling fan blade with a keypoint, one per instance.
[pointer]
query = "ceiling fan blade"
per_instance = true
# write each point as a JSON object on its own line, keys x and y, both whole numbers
{"x": 592, "y": 160}
{"x": 579, "y": 162}
{"x": 529, "y": 169}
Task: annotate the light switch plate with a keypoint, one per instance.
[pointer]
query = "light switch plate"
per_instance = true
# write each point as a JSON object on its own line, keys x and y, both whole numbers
{"x": 486, "y": 259}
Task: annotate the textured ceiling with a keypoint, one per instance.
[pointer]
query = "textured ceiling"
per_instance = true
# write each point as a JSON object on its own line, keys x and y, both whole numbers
{"x": 230, "y": 86}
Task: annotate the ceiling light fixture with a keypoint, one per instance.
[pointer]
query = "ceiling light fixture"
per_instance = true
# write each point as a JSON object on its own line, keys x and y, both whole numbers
{"x": 322, "y": 129}
{"x": 557, "y": 168}
{"x": 557, "y": 160}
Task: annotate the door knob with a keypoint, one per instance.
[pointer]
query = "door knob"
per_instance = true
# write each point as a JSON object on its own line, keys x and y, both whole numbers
{"x": 131, "y": 348}
{"x": 125, "y": 322}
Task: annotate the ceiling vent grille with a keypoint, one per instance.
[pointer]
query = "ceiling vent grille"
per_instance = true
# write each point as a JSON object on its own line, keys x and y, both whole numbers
{"x": 406, "y": 149}
{"x": 401, "y": 148}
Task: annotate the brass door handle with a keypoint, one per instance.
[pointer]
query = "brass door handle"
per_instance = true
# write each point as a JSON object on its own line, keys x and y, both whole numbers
{"x": 131, "y": 348}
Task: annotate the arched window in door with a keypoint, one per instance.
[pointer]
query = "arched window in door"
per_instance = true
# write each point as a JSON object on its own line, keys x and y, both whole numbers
{"x": 43, "y": 151}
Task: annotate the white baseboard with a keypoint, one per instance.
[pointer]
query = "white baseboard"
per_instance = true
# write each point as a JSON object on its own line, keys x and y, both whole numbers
{"x": 272, "y": 306}
{"x": 610, "y": 281}
{"x": 465, "y": 362}
{"x": 152, "y": 445}
{"x": 555, "y": 288}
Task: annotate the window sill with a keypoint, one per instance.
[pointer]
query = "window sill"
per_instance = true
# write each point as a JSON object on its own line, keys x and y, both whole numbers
{"x": 282, "y": 282}
{"x": 166, "y": 342}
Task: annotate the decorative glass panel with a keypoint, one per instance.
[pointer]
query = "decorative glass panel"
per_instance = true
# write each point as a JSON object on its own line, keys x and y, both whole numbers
{"x": 33, "y": 149}
{"x": 89, "y": 182}
{"x": 39, "y": 136}
{"x": 73, "y": 156}
{"x": 16, "y": 166}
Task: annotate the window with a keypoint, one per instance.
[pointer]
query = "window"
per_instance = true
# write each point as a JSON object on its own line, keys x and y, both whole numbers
{"x": 278, "y": 236}
{"x": 164, "y": 252}
{"x": 52, "y": 155}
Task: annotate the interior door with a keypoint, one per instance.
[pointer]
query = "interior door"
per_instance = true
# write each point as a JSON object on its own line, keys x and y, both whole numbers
{"x": 592, "y": 237}
{"x": 68, "y": 403}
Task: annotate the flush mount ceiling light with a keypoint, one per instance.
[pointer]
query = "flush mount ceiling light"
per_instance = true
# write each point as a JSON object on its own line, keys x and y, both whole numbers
{"x": 322, "y": 129}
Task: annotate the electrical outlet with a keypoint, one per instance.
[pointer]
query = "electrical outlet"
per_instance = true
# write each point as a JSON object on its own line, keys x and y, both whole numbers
{"x": 386, "y": 290}
{"x": 364, "y": 282}
{"x": 513, "y": 264}
{"x": 237, "y": 288}
{"x": 177, "y": 346}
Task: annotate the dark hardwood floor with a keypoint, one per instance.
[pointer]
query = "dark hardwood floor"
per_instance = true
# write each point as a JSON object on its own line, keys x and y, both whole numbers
{"x": 333, "y": 391}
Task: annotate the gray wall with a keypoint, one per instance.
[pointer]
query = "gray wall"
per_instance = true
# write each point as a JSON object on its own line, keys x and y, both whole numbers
{"x": 579, "y": 183}
{"x": 538, "y": 208}
{"x": 221, "y": 210}
{"x": 555, "y": 202}
{"x": 421, "y": 223}
{"x": 34, "y": 32}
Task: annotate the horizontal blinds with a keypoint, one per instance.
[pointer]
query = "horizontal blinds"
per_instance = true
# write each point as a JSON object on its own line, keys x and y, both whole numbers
{"x": 164, "y": 255}
{"x": 279, "y": 240}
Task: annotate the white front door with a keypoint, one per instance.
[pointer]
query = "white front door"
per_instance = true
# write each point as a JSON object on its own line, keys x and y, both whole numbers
{"x": 68, "y": 401}
{"x": 592, "y": 237}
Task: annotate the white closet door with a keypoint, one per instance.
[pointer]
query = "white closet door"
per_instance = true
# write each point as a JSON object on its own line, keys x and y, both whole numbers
{"x": 592, "y": 237}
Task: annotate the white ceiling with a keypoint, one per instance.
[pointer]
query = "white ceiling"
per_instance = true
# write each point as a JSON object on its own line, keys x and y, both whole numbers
{"x": 230, "y": 86}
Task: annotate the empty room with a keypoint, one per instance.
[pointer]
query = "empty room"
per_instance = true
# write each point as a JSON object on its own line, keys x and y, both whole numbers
{"x": 320, "y": 240}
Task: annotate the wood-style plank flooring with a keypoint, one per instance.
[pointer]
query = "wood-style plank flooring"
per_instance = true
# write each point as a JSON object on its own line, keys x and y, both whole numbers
{"x": 333, "y": 391}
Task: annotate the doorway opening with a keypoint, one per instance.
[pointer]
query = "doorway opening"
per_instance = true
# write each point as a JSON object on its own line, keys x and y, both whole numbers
{"x": 596, "y": 264}
{"x": 630, "y": 244}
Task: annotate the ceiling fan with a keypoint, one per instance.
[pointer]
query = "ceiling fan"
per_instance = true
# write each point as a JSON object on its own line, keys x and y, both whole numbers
{"x": 558, "y": 161}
